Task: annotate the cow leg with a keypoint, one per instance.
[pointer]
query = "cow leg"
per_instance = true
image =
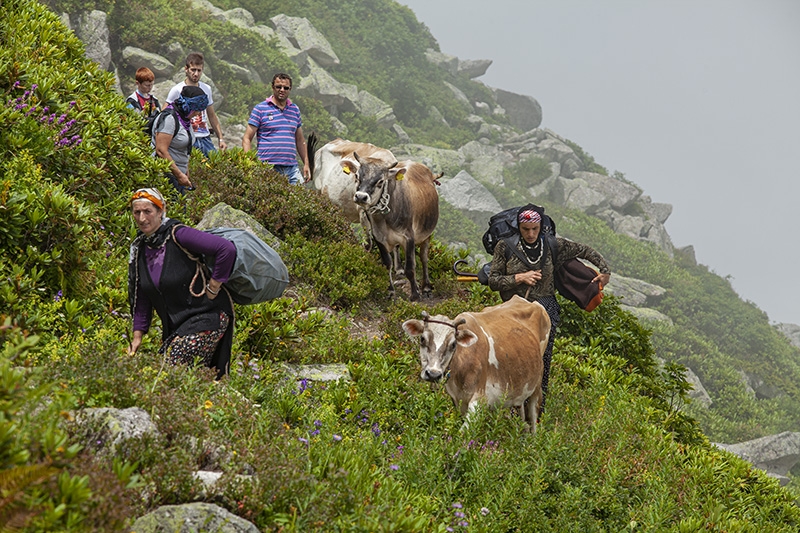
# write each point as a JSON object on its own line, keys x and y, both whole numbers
{"x": 531, "y": 409}
{"x": 386, "y": 259}
{"x": 424, "y": 247}
{"x": 399, "y": 270}
{"x": 411, "y": 267}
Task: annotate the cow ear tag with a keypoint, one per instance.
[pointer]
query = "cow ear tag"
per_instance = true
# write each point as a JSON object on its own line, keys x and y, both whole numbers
{"x": 399, "y": 176}
{"x": 346, "y": 170}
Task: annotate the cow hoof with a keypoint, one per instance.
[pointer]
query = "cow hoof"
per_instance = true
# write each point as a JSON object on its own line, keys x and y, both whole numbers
{"x": 427, "y": 292}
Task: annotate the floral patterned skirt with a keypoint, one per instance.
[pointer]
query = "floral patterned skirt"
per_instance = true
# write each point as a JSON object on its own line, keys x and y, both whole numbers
{"x": 198, "y": 346}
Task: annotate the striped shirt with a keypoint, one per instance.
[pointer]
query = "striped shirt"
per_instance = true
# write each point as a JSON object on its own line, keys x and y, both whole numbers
{"x": 276, "y": 131}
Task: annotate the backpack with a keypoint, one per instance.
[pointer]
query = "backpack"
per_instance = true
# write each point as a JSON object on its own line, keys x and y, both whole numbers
{"x": 149, "y": 119}
{"x": 573, "y": 280}
{"x": 258, "y": 274}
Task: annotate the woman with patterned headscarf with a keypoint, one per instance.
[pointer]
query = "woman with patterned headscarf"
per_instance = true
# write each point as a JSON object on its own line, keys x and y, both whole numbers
{"x": 173, "y": 136}
{"x": 196, "y": 311}
{"x": 533, "y": 278}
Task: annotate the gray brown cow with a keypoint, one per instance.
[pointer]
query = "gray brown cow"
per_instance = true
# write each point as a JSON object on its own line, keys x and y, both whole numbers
{"x": 494, "y": 355}
{"x": 397, "y": 203}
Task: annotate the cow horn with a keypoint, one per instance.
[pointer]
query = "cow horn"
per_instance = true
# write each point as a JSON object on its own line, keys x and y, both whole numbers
{"x": 459, "y": 322}
{"x": 425, "y": 316}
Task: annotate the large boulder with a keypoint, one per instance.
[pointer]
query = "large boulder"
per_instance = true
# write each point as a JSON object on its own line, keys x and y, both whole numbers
{"x": 698, "y": 392}
{"x": 443, "y": 61}
{"x": 524, "y": 112}
{"x": 634, "y": 292}
{"x": 224, "y": 216}
{"x": 437, "y": 159}
{"x": 792, "y": 332}
{"x": 645, "y": 314}
{"x": 105, "y": 428}
{"x": 619, "y": 194}
{"x": 134, "y": 58}
{"x": 370, "y": 105}
{"x": 473, "y": 68}
{"x": 91, "y": 28}
{"x": 317, "y": 83}
{"x": 304, "y": 36}
{"x": 467, "y": 194}
{"x": 195, "y": 517}
{"x": 776, "y": 454}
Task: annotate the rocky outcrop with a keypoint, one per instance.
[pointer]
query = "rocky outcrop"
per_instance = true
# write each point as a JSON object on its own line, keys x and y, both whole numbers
{"x": 758, "y": 388}
{"x": 194, "y": 517}
{"x": 469, "y": 195}
{"x": 92, "y": 30}
{"x": 634, "y": 292}
{"x": 106, "y": 428}
{"x": 776, "y": 454}
{"x": 792, "y": 332}
{"x": 698, "y": 393}
{"x": 523, "y": 111}
{"x": 224, "y": 216}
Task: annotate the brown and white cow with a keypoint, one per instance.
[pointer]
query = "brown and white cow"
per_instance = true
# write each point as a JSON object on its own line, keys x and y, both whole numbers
{"x": 494, "y": 355}
{"x": 396, "y": 202}
{"x": 330, "y": 176}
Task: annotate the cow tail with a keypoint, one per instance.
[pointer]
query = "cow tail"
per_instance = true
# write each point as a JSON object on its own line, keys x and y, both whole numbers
{"x": 311, "y": 151}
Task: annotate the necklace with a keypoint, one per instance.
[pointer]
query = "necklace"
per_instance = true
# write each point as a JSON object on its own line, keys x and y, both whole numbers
{"x": 532, "y": 248}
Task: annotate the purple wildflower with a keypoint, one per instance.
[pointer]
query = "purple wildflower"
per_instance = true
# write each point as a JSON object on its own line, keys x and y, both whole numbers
{"x": 457, "y": 505}
{"x": 336, "y": 437}
{"x": 394, "y": 467}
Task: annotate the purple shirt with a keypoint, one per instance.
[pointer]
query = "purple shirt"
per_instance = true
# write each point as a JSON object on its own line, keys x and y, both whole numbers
{"x": 277, "y": 144}
{"x": 197, "y": 242}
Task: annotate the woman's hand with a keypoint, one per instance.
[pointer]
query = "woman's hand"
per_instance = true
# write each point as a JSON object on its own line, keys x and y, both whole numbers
{"x": 212, "y": 289}
{"x": 602, "y": 278}
{"x": 530, "y": 277}
{"x": 136, "y": 341}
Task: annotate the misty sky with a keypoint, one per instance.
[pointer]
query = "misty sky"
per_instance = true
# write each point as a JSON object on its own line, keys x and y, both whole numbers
{"x": 697, "y": 102}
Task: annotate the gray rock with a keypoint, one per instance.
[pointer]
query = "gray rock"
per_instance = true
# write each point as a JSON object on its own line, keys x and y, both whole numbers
{"x": 634, "y": 292}
{"x": 619, "y": 194}
{"x": 243, "y": 74}
{"x": 224, "y": 216}
{"x": 402, "y": 136}
{"x": 195, "y": 517}
{"x": 239, "y": 17}
{"x": 646, "y": 314}
{"x": 776, "y": 454}
{"x": 524, "y": 112}
{"x": 444, "y": 61}
{"x": 317, "y": 83}
{"x": 687, "y": 253}
{"x": 134, "y": 58}
{"x": 105, "y": 428}
{"x": 577, "y": 194}
{"x": 760, "y": 388}
{"x": 698, "y": 392}
{"x": 473, "y": 68}
{"x": 437, "y": 116}
{"x": 461, "y": 98}
{"x": 321, "y": 372}
{"x": 372, "y": 106}
{"x": 204, "y": 5}
{"x": 175, "y": 53}
{"x": 91, "y": 28}
{"x": 437, "y": 159}
{"x": 655, "y": 211}
{"x": 466, "y": 193}
{"x": 555, "y": 150}
{"x": 792, "y": 332}
{"x": 302, "y": 34}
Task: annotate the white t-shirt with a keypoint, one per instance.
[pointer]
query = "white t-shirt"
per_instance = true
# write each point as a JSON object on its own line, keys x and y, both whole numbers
{"x": 199, "y": 122}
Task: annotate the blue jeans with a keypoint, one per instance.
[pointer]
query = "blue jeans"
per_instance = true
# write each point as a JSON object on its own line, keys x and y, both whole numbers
{"x": 290, "y": 171}
{"x": 204, "y": 144}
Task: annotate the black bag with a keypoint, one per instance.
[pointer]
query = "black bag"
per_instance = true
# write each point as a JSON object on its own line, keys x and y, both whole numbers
{"x": 150, "y": 119}
{"x": 573, "y": 280}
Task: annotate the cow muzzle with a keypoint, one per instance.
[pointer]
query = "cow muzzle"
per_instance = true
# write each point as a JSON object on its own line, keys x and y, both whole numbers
{"x": 431, "y": 375}
{"x": 361, "y": 198}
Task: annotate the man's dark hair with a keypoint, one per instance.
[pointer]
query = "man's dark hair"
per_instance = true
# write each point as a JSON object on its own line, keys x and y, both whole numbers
{"x": 281, "y": 76}
{"x": 195, "y": 58}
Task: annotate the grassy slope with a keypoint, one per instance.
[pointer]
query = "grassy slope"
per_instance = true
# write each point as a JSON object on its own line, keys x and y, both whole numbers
{"x": 382, "y": 452}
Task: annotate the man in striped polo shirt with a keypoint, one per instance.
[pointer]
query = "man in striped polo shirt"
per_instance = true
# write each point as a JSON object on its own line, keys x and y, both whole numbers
{"x": 280, "y": 132}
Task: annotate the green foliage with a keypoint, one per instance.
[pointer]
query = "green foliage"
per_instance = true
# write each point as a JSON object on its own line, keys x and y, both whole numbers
{"x": 380, "y": 450}
{"x": 589, "y": 164}
{"x": 338, "y": 272}
{"x": 527, "y": 173}
{"x": 242, "y": 181}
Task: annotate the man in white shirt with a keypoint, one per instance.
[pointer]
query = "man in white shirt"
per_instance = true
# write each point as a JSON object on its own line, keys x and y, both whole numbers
{"x": 200, "y": 124}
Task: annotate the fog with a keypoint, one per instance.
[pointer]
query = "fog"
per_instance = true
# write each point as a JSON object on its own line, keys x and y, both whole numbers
{"x": 697, "y": 102}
